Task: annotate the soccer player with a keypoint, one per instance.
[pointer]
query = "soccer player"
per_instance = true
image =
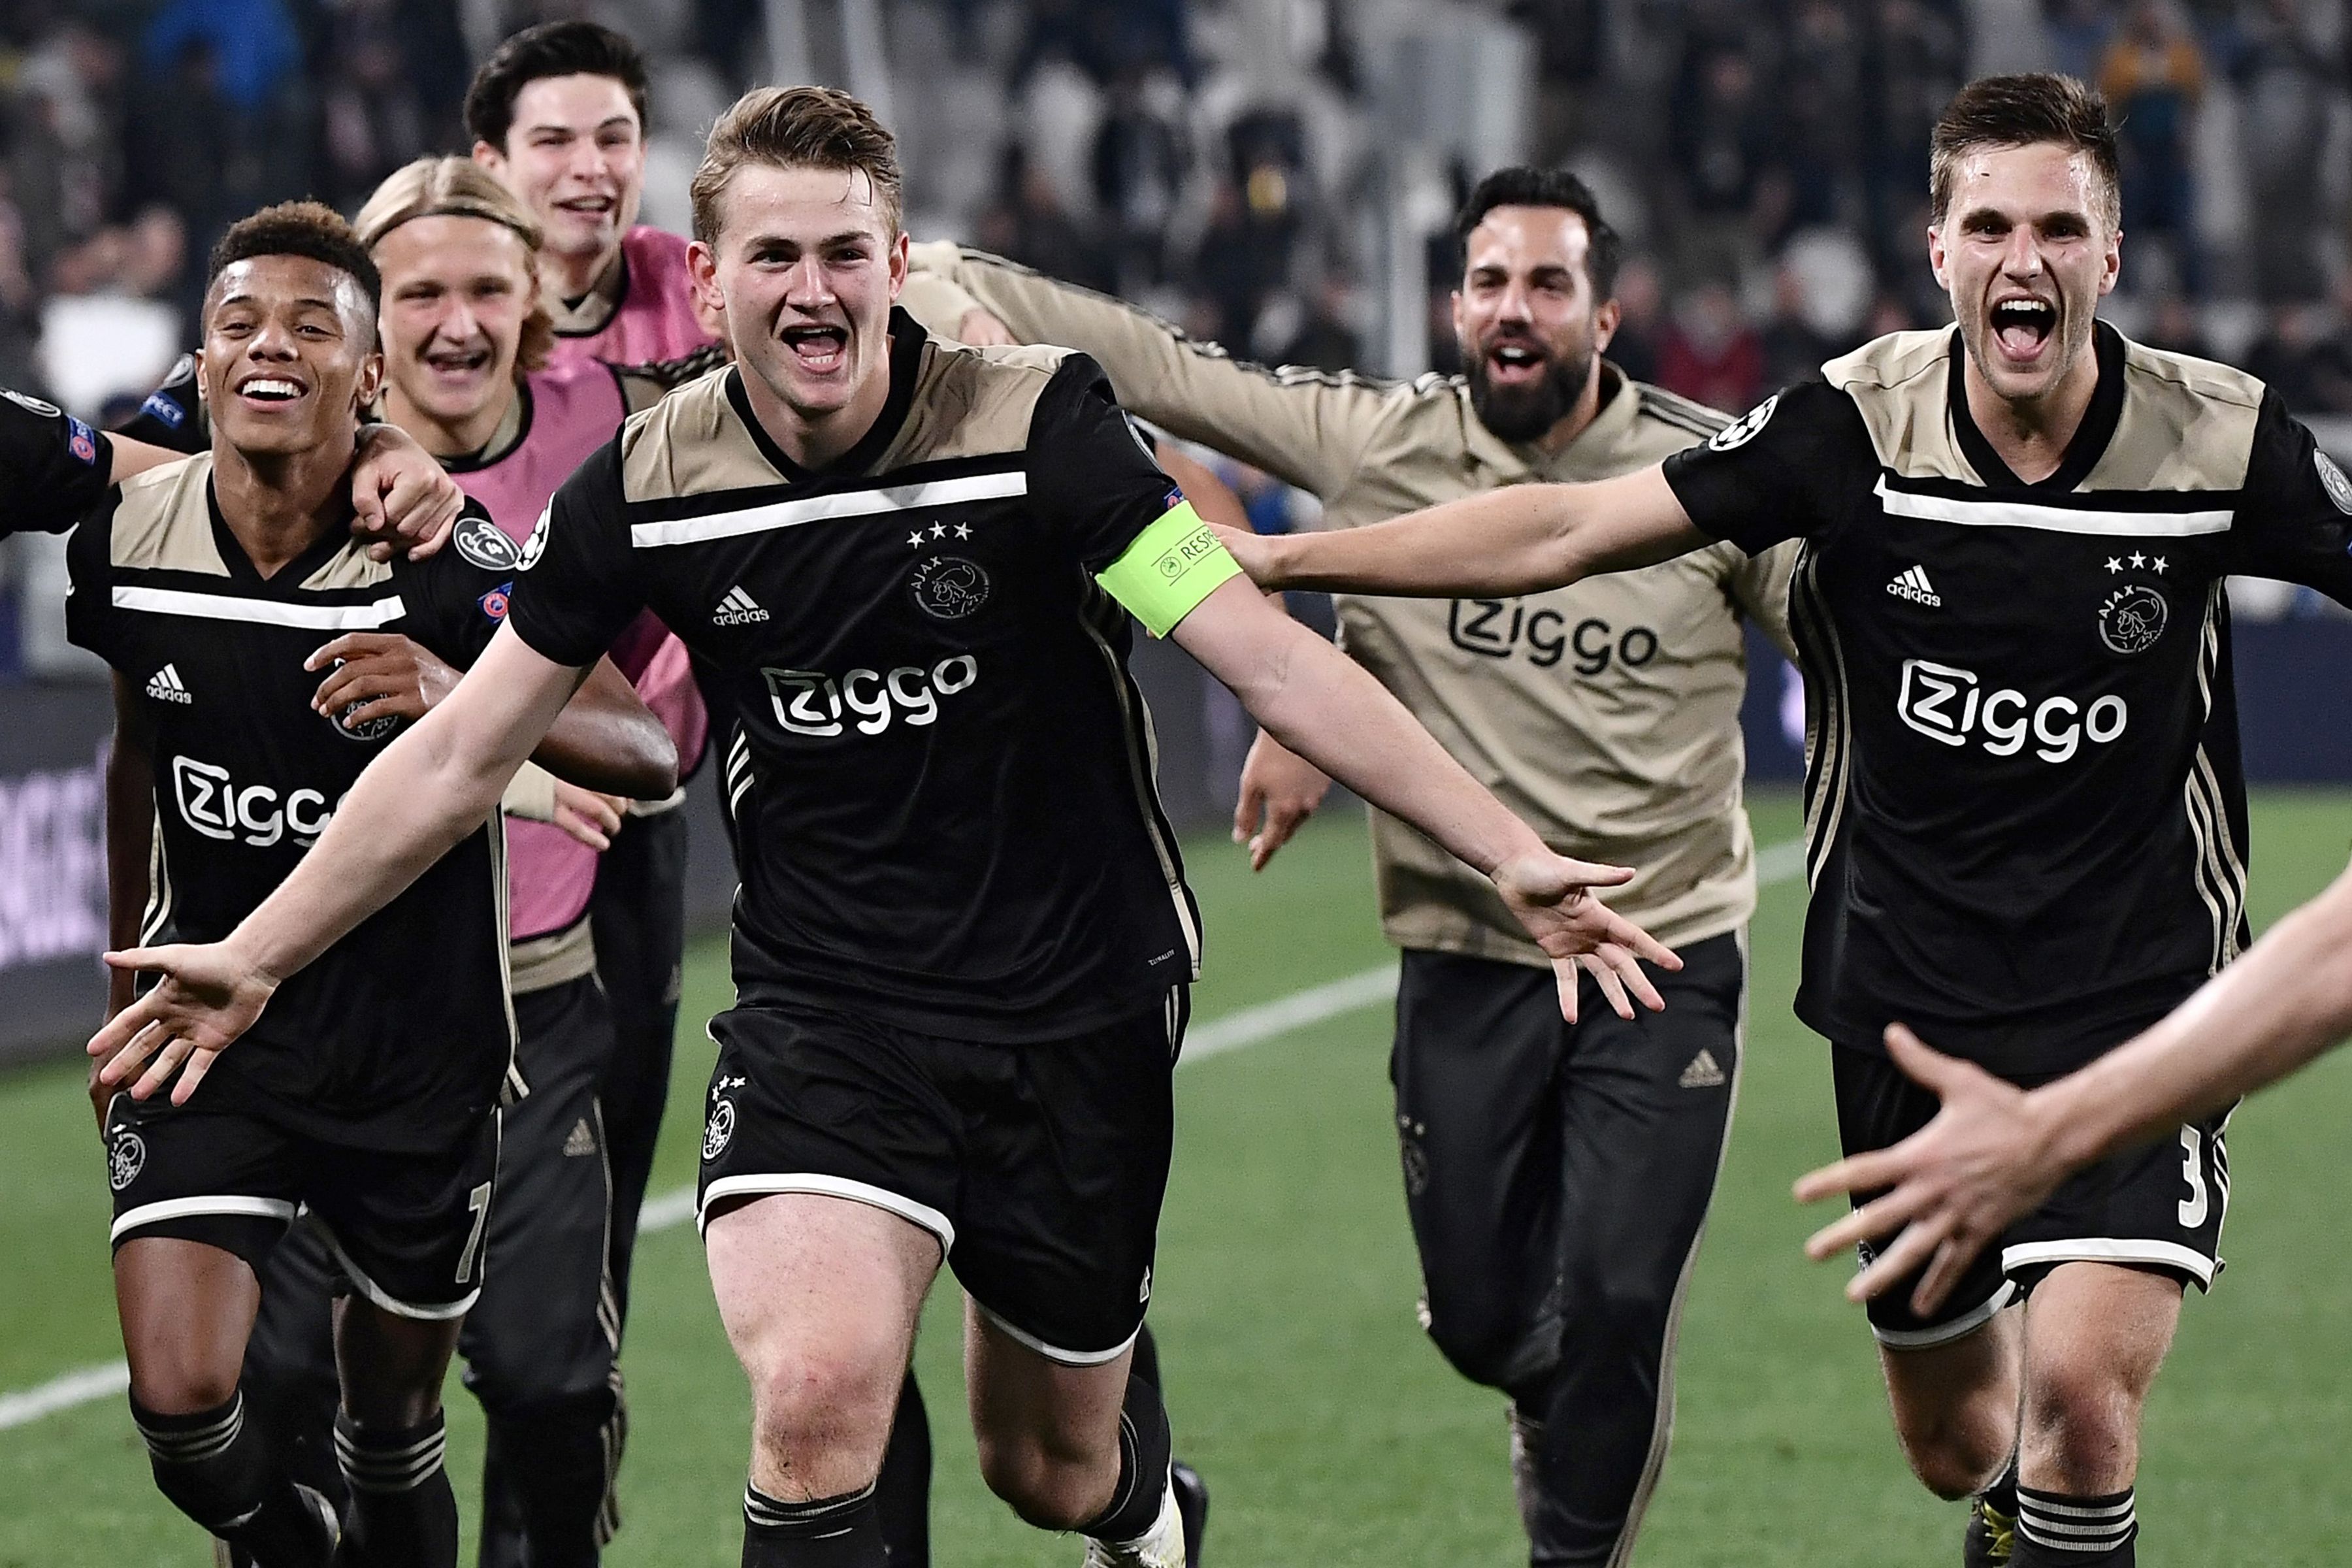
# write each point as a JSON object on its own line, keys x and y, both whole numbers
{"x": 2026, "y": 822}
{"x": 1558, "y": 1177}
{"x": 222, "y": 590}
{"x": 464, "y": 340}
{"x": 963, "y": 942}
{"x": 557, "y": 113}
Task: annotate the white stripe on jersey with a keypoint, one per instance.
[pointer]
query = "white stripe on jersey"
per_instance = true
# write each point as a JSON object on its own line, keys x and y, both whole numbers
{"x": 260, "y": 612}
{"x": 2050, "y": 519}
{"x": 820, "y": 509}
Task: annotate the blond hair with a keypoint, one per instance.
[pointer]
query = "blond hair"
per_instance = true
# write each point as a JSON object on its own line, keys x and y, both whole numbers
{"x": 459, "y": 187}
{"x": 796, "y": 128}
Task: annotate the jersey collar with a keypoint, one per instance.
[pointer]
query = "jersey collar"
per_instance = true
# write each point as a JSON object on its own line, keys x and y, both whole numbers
{"x": 2090, "y": 437}
{"x": 593, "y": 311}
{"x": 908, "y": 342}
{"x": 514, "y": 428}
{"x": 293, "y": 575}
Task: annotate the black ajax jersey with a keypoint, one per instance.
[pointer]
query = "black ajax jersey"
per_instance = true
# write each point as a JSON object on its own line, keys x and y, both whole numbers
{"x": 54, "y": 467}
{"x": 2025, "y": 811}
{"x": 398, "y": 1036}
{"x": 938, "y": 771}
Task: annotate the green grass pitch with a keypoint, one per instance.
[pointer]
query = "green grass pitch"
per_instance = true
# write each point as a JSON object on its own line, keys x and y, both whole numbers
{"x": 1331, "y": 1431}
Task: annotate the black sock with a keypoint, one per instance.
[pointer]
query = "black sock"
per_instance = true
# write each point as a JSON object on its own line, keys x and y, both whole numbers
{"x": 216, "y": 1467}
{"x": 824, "y": 1532}
{"x": 403, "y": 1513}
{"x": 903, "y": 1495}
{"x": 2002, "y": 1493}
{"x": 1143, "y": 1452}
{"x": 2055, "y": 1530}
{"x": 555, "y": 1461}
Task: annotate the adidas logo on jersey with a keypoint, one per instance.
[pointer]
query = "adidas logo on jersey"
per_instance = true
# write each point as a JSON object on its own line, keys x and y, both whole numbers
{"x": 1913, "y": 585}
{"x": 582, "y": 1143}
{"x": 166, "y": 687}
{"x": 1703, "y": 1071}
{"x": 737, "y": 608}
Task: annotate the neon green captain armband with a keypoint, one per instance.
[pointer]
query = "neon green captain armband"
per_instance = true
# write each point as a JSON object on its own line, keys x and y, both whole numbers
{"x": 1171, "y": 566}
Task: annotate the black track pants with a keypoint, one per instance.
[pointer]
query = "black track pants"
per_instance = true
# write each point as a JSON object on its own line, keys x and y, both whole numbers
{"x": 1558, "y": 1177}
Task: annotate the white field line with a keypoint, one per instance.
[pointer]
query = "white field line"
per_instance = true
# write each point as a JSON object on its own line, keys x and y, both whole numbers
{"x": 1233, "y": 1032}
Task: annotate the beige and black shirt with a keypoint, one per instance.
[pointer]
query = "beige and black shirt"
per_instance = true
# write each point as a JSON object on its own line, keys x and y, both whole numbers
{"x": 936, "y": 768}
{"x": 1606, "y": 714}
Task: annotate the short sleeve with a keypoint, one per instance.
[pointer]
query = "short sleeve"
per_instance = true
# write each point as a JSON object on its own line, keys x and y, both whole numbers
{"x": 1093, "y": 479}
{"x": 91, "y": 620}
{"x": 2294, "y": 519}
{"x": 1092, "y": 476}
{"x": 578, "y": 588}
{"x": 1757, "y": 482}
{"x": 55, "y": 467}
{"x": 172, "y": 417}
{"x": 461, "y": 598}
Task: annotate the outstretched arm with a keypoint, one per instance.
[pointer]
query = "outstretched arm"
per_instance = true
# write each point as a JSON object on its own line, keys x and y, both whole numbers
{"x": 1316, "y": 700}
{"x": 1518, "y": 539}
{"x": 1996, "y": 1150}
{"x": 428, "y": 789}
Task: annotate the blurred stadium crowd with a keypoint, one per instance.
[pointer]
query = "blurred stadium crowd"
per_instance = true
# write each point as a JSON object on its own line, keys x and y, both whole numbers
{"x": 1272, "y": 173}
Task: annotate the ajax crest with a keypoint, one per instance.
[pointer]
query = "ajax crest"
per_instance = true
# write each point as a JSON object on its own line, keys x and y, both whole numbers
{"x": 125, "y": 1160}
{"x": 948, "y": 587}
{"x": 2133, "y": 618}
{"x": 721, "y": 1129}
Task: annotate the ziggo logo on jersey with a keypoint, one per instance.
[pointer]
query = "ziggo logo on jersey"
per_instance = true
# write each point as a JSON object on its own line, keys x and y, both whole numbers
{"x": 1946, "y": 705}
{"x": 212, "y": 803}
{"x": 809, "y": 702}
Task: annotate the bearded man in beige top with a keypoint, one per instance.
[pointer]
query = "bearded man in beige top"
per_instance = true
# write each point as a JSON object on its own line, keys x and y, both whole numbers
{"x": 1557, "y": 1175}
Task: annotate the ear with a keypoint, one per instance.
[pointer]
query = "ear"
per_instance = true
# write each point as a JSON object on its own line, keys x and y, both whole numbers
{"x": 202, "y": 396}
{"x": 1457, "y": 315}
{"x": 2113, "y": 268}
{"x": 490, "y": 158}
{"x": 1936, "y": 256}
{"x": 1605, "y": 322}
{"x": 702, "y": 275}
{"x": 897, "y": 265}
{"x": 370, "y": 383}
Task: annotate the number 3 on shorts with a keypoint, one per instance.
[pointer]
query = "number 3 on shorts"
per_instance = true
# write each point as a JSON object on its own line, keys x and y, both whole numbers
{"x": 2192, "y": 1168}
{"x": 477, "y": 1204}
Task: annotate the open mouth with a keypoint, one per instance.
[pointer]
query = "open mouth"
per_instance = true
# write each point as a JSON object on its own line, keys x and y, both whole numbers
{"x": 269, "y": 390}
{"x": 819, "y": 349}
{"x": 594, "y": 207}
{"x": 457, "y": 362}
{"x": 1513, "y": 362}
{"x": 2022, "y": 325}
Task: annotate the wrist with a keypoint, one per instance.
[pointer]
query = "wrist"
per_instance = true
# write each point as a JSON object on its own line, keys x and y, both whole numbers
{"x": 2065, "y": 1124}
{"x": 247, "y": 956}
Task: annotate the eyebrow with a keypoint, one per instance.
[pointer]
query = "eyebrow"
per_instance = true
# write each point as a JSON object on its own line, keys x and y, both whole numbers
{"x": 531, "y": 127}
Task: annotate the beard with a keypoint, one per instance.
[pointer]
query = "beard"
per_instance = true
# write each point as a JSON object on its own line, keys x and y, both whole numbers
{"x": 1520, "y": 414}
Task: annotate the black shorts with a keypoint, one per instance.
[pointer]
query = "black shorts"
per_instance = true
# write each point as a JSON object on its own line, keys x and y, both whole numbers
{"x": 406, "y": 1230}
{"x": 2158, "y": 1207}
{"x": 1039, "y": 1167}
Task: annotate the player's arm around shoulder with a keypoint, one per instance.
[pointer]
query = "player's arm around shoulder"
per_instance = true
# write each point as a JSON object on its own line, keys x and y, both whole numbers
{"x": 1522, "y": 539}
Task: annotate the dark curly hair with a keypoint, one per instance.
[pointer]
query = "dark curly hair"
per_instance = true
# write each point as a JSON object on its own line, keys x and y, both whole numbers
{"x": 300, "y": 228}
{"x": 1521, "y": 187}
{"x": 551, "y": 48}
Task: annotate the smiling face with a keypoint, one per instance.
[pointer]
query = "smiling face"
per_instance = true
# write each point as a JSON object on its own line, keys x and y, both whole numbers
{"x": 457, "y": 293}
{"x": 1528, "y": 326}
{"x": 2025, "y": 248}
{"x": 804, "y": 268}
{"x": 576, "y": 155}
{"x": 289, "y": 356}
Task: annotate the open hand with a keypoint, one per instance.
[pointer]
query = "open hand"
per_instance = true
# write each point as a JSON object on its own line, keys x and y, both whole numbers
{"x": 1280, "y": 790}
{"x": 401, "y": 499}
{"x": 1552, "y": 897}
{"x": 378, "y": 675}
{"x": 588, "y": 817}
{"x": 206, "y": 999}
{"x": 1951, "y": 1188}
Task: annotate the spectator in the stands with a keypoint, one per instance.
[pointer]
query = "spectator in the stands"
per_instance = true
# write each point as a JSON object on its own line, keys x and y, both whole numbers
{"x": 2328, "y": 366}
{"x": 1325, "y": 340}
{"x": 1721, "y": 140}
{"x": 1710, "y": 354}
{"x": 1919, "y": 63}
{"x": 1029, "y": 223}
{"x": 1794, "y": 348}
{"x": 65, "y": 153}
{"x": 1641, "y": 319}
{"x": 2282, "y": 356}
{"x": 1142, "y": 155}
{"x": 184, "y": 139}
{"x": 2288, "y": 82}
{"x": 253, "y": 46}
{"x": 2154, "y": 78}
{"x": 1820, "y": 97}
{"x": 2172, "y": 326}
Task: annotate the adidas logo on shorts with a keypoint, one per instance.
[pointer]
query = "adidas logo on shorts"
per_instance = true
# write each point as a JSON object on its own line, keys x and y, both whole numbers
{"x": 1704, "y": 1072}
{"x": 1913, "y": 585}
{"x": 737, "y": 608}
{"x": 166, "y": 687}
